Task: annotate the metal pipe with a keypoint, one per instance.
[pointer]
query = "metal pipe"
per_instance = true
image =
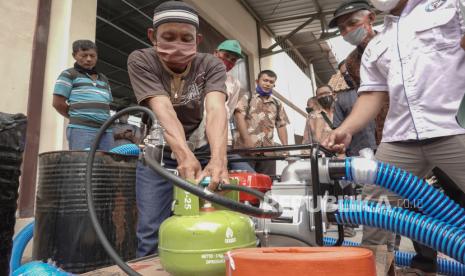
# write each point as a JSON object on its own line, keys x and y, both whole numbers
{"x": 137, "y": 10}
{"x": 264, "y": 158}
{"x": 298, "y": 171}
{"x": 291, "y": 34}
{"x": 271, "y": 149}
{"x": 123, "y": 31}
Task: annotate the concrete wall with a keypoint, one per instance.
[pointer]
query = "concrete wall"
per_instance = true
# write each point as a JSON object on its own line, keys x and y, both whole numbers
{"x": 70, "y": 20}
{"x": 16, "y": 37}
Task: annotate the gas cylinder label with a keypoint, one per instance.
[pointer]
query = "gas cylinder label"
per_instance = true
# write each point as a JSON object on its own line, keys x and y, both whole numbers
{"x": 229, "y": 236}
{"x": 213, "y": 258}
{"x": 187, "y": 201}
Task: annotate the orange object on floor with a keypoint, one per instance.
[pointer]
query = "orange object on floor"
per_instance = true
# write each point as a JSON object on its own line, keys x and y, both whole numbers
{"x": 300, "y": 261}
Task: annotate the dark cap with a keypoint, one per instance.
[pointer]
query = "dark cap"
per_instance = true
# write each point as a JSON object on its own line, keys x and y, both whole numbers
{"x": 348, "y": 7}
{"x": 175, "y": 11}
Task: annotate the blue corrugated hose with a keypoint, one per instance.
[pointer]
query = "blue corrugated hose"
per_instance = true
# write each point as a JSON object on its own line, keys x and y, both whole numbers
{"x": 428, "y": 199}
{"x": 445, "y": 266}
{"x": 127, "y": 149}
{"x": 426, "y": 230}
{"x": 19, "y": 244}
{"x": 38, "y": 268}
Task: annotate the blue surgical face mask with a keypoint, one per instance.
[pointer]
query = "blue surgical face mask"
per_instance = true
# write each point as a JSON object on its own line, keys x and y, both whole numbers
{"x": 356, "y": 36}
{"x": 262, "y": 92}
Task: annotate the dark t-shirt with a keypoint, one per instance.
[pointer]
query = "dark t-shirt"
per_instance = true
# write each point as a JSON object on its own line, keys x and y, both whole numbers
{"x": 365, "y": 138}
{"x": 187, "y": 91}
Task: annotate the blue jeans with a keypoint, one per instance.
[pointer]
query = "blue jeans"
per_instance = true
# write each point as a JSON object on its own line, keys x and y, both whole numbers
{"x": 154, "y": 197}
{"x": 239, "y": 166}
{"x": 81, "y": 139}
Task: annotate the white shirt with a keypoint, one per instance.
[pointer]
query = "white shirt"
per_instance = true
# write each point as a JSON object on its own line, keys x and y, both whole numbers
{"x": 417, "y": 58}
{"x": 233, "y": 89}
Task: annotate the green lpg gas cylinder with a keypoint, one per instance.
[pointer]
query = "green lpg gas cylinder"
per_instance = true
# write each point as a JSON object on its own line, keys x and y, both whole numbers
{"x": 194, "y": 240}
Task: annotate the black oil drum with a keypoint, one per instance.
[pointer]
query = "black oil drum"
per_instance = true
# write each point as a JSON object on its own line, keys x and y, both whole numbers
{"x": 12, "y": 139}
{"x": 63, "y": 231}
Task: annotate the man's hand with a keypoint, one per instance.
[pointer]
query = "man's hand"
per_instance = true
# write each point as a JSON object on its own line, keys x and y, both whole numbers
{"x": 189, "y": 167}
{"x": 366, "y": 108}
{"x": 337, "y": 141}
{"x": 60, "y": 104}
{"x": 218, "y": 172}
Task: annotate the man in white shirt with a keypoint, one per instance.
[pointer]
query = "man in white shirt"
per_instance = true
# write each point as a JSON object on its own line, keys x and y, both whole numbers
{"x": 230, "y": 51}
{"x": 417, "y": 60}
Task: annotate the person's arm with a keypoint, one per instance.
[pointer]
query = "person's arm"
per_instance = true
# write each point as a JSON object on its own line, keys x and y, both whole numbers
{"x": 241, "y": 125}
{"x": 317, "y": 125}
{"x": 281, "y": 125}
{"x": 241, "y": 122}
{"x": 188, "y": 165}
{"x": 282, "y": 134}
{"x": 307, "y": 136}
{"x": 217, "y": 134}
{"x": 339, "y": 114}
{"x": 60, "y": 104}
{"x": 365, "y": 110}
{"x": 62, "y": 92}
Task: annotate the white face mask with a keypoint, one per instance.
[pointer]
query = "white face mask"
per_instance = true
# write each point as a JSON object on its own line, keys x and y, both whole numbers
{"x": 356, "y": 36}
{"x": 385, "y": 5}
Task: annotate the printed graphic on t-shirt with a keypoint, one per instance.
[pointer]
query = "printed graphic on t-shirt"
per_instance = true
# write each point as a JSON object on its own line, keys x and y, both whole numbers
{"x": 194, "y": 90}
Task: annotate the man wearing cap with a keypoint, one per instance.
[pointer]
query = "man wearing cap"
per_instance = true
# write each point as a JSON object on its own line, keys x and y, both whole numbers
{"x": 178, "y": 84}
{"x": 354, "y": 19}
{"x": 229, "y": 52}
{"x": 417, "y": 60}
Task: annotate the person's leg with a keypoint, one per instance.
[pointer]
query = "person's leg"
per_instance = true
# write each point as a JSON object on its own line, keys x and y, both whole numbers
{"x": 154, "y": 196}
{"x": 451, "y": 189}
{"x": 405, "y": 156}
{"x": 266, "y": 167}
{"x": 107, "y": 142}
{"x": 239, "y": 166}
{"x": 448, "y": 154}
{"x": 79, "y": 138}
{"x": 69, "y": 137}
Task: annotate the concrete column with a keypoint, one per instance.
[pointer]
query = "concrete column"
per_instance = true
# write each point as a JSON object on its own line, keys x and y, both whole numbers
{"x": 70, "y": 20}
{"x": 16, "y": 37}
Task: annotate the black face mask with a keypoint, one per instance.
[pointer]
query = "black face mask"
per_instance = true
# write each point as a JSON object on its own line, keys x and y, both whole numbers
{"x": 309, "y": 109}
{"x": 348, "y": 80}
{"x": 326, "y": 101}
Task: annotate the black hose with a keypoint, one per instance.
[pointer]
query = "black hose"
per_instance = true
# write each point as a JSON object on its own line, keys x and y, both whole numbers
{"x": 240, "y": 188}
{"x": 202, "y": 193}
{"x": 90, "y": 199}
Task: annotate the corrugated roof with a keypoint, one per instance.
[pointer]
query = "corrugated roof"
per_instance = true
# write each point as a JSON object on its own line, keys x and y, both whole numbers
{"x": 282, "y": 17}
